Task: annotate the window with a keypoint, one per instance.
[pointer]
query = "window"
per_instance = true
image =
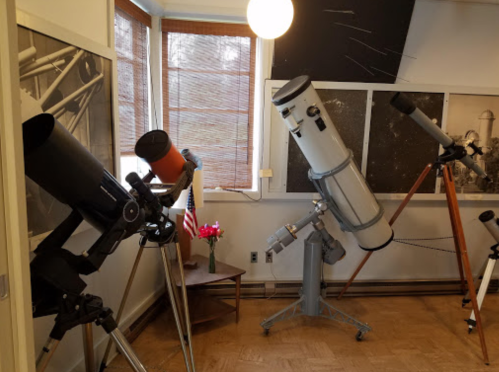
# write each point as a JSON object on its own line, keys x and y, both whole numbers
{"x": 131, "y": 26}
{"x": 208, "y": 94}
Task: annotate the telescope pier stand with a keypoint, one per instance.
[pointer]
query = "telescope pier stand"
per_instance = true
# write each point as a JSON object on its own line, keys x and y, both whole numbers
{"x": 482, "y": 282}
{"x": 182, "y": 319}
{"x": 444, "y": 171}
{"x": 312, "y": 295}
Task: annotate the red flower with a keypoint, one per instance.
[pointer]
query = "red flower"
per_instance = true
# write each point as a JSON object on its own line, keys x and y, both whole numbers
{"x": 210, "y": 233}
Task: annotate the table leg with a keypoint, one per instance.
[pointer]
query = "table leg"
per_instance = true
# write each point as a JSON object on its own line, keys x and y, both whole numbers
{"x": 238, "y": 295}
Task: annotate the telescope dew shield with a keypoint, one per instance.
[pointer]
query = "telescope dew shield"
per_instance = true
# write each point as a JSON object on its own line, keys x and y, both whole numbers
{"x": 489, "y": 220}
{"x": 347, "y": 193}
{"x": 157, "y": 149}
{"x": 58, "y": 163}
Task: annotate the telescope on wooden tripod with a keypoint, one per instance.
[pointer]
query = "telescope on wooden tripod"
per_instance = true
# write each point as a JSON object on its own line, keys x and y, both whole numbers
{"x": 452, "y": 152}
{"x": 57, "y": 162}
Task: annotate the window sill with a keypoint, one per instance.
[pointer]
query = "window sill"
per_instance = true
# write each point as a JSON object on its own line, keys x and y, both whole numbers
{"x": 220, "y": 196}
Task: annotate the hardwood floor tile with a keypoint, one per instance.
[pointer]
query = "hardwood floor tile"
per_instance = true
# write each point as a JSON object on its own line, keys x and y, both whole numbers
{"x": 410, "y": 334}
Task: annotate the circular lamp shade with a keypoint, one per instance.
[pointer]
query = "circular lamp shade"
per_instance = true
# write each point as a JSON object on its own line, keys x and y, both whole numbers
{"x": 270, "y": 19}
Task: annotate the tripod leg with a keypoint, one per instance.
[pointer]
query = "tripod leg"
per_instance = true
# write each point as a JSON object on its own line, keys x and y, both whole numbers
{"x": 174, "y": 304}
{"x": 186, "y": 305}
{"x": 394, "y": 218}
{"x": 455, "y": 233}
{"x": 88, "y": 347}
{"x": 103, "y": 365}
{"x": 44, "y": 358}
{"x": 478, "y": 282}
{"x": 126, "y": 350}
{"x": 487, "y": 275}
{"x": 450, "y": 191}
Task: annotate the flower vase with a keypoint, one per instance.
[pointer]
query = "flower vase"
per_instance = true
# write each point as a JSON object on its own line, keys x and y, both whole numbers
{"x": 212, "y": 268}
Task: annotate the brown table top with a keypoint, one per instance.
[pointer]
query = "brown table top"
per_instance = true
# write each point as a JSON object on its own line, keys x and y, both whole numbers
{"x": 200, "y": 274}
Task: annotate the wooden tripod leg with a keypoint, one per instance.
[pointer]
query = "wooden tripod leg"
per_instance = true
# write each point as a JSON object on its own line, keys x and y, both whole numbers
{"x": 449, "y": 185}
{"x": 350, "y": 281}
{"x": 450, "y": 191}
{"x": 401, "y": 207}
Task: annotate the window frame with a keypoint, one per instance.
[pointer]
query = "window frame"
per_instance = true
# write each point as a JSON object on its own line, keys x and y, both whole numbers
{"x": 261, "y": 52}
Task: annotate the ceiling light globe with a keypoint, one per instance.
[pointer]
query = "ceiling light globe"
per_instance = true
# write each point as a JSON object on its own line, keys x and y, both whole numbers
{"x": 270, "y": 19}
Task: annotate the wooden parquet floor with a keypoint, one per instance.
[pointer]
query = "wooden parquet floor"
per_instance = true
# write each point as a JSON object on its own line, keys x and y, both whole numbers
{"x": 416, "y": 334}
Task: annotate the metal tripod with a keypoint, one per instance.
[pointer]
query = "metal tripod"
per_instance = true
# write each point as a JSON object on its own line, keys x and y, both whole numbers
{"x": 482, "y": 282}
{"x": 312, "y": 301}
{"x": 182, "y": 319}
{"x": 88, "y": 309}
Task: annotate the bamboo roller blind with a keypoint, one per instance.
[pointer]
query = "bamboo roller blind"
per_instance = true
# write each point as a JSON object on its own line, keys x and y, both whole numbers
{"x": 208, "y": 94}
{"x": 131, "y": 25}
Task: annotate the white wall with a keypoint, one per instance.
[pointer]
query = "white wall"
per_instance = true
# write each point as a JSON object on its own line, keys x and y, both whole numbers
{"x": 91, "y": 19}
{"x": 456, "y": 44}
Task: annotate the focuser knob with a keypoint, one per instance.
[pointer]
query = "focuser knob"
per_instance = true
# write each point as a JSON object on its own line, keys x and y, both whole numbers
{"x": 313, "y": 111}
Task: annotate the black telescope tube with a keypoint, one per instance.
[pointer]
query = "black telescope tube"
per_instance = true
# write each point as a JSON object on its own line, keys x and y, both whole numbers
{"x": 61, "y": 165}
{"x": 136, "y": 182}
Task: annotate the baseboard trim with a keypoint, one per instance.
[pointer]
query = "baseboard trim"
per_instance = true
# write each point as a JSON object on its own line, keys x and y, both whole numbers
{"x": 358, "y": 288}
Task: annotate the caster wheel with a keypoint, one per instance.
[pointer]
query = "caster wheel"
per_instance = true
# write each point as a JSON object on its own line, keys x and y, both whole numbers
{"x": 359, "y": 336}
{"x": 266, "y": 332}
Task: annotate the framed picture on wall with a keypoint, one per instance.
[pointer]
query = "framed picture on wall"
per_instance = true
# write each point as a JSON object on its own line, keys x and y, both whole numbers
{"x": 400, "y": 149}
{"x": 472, "y": 119}
{"x": 389, "y": 147}
{"x": 75, "y": 85}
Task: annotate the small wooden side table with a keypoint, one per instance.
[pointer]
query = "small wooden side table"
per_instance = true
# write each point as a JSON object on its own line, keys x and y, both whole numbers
{"x": 205, "y": 308}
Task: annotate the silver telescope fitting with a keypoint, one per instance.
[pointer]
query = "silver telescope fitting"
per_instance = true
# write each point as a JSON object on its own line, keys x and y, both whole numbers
{"x": 333, "y": 170}
{"x": 332, "y": 250}
{"x": 490, "y": 221}
{"x": 287, "y": 234}
{"x": 402, "y": 103}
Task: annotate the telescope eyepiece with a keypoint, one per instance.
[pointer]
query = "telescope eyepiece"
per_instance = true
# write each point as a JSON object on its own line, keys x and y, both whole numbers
{"x": 402, "y": 103}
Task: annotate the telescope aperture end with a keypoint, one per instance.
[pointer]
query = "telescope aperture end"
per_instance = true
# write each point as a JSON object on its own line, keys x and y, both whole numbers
{"x": 402, "y": 103}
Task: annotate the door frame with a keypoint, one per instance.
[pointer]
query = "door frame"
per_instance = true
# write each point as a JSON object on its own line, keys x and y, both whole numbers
{"x": 16, "y": 228}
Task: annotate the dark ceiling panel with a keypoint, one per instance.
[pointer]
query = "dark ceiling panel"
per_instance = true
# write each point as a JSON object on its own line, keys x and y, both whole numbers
{"x": 316, "y": 45}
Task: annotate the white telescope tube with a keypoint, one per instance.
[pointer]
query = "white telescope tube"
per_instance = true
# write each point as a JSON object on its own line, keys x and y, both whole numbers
{"x": 489, "y": 220}
{"x": 406, "y": 106}
{"x": 342, "y": 185}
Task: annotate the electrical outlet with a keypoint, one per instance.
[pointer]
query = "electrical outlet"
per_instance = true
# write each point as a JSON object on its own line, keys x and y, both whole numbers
{"x": 268, "y": 257}
{"x": 254, "y": 257}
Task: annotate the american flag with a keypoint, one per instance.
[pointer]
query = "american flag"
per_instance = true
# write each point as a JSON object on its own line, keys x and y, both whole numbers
{"x": 190, "y": 219}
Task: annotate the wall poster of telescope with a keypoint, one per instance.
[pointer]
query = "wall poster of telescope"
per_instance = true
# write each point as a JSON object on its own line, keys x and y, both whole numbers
{"x": 75, "y": 86}
{"x": 471, "y": 119}
{"x": 389, "y": 147}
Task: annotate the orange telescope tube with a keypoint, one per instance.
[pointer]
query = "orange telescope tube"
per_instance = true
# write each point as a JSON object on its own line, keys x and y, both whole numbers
{"x": 157, "y": 149}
